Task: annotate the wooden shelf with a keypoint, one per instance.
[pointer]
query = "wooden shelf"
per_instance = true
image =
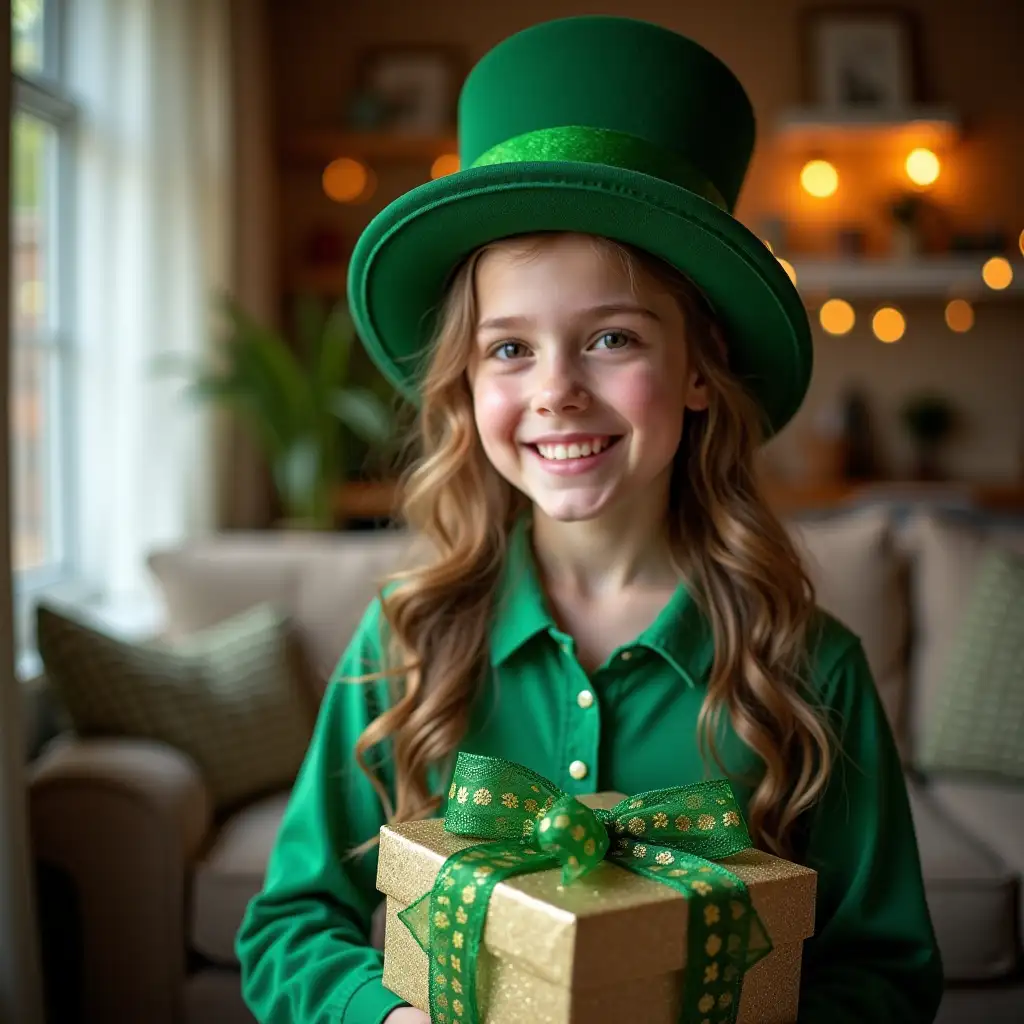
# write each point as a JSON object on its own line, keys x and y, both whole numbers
{"x": 366, "y": 500}
{"x": 321, "y": 147}
{"x": 944, "y": 277}
{"x": 810, "y": 127}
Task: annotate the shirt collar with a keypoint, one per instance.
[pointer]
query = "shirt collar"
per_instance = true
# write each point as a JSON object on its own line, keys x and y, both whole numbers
{"x": 522, "y": 610}
{"x": 681, "y": 633}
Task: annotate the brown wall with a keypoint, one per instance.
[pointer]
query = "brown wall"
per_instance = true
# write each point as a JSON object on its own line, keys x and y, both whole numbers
{"x": 970, "y": 59}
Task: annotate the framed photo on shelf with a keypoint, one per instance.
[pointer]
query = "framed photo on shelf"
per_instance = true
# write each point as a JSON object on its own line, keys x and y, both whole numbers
{"x": 408, "y": 89}
{"x": 860, "y": 59}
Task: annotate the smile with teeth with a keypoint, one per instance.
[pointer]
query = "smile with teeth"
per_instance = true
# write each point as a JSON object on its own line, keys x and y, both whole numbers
{"x": 580, "y": 450}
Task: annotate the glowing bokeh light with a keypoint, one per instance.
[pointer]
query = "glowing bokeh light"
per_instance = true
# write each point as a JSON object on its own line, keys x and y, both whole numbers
{"x": 923, "y": 166}
{"x": 837, "y": 316}
{"x": 448, "y": 163}
{"x": 959, "y": 316}
{"x": 819, "y": 178}
{"x": 997, "y": 273}
{"x": 888, "y": 324}
{"x": 345, "y": 180}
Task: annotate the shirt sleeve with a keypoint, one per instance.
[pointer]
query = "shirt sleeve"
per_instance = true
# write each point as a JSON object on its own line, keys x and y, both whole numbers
{"x": 304, "y": 942}
{"x": 873, "y": 956}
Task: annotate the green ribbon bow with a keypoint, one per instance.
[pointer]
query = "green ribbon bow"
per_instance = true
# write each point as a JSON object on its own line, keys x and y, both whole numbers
{"x": 672, "y": 836}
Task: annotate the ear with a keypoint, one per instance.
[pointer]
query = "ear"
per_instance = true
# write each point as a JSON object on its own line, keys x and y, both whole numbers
{"x": 697, "y": 393}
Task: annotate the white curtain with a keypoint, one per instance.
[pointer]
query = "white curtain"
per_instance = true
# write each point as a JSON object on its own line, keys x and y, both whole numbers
{"x": 152, "y": 252}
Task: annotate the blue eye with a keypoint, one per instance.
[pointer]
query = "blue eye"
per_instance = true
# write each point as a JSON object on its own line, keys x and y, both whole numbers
{"x": 501, "y": 350}
{"x": 621, "y": 340}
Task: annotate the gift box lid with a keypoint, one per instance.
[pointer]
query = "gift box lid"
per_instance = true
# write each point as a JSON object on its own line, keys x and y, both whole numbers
{"x": 611, "y": 925}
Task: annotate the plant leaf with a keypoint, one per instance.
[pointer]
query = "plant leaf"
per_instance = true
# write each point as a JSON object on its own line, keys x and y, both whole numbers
{"x": 330, "y": 370}
{"x": 261, "y": 357}
{"x": 296, "y": 475}
{"x": 364, "y": 414}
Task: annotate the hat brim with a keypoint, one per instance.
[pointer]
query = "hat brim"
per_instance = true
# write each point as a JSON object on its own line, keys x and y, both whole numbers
{"x": 402, "y": 261}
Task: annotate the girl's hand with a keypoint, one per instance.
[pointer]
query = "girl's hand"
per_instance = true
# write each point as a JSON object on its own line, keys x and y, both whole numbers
{"x": 407, "y": 1015}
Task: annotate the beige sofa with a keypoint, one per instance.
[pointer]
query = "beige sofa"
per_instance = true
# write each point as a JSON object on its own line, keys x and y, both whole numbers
{"x": 159, "y": 886}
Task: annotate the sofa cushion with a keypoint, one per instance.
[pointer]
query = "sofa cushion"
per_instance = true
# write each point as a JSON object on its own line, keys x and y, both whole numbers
{"x": 946, "y": 555}
{"x": 230, "y": 875}
{"x": 994, "y": 812}
{"x": 860, "y": 579}
{"x": 322, "y": 581}
{"x": 226, "y": 696}
{"x": 971, "y": 892}
{"x": 977, "y": 721}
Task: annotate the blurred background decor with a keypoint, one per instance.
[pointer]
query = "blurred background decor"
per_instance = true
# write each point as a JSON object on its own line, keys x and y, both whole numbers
{"x": 406, "y": 88}
{"x": 907, "y": 239}
{"x": 298, "y": 400}
{"x": 928, "y": 419}
{"x": 860, "y": 58}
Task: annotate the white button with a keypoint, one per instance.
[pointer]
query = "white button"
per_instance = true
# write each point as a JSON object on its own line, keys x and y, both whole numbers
{"x": 585, "y": 698}
{"x": 565, "y": 648}
{"x": 626, "y": 655}
{"x": 578, "y": 770}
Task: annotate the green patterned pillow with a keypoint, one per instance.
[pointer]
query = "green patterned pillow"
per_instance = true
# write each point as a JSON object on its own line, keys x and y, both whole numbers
{"x": 977, "y": 724}
{"x": 226, "y": 696}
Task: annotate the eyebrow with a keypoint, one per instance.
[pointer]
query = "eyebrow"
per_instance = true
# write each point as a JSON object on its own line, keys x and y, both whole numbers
{"x": 609, "y": 309}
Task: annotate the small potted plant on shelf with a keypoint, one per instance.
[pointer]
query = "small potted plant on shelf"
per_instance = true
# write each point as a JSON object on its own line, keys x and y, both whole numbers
{"x": 297, "y": 400}
{"x": 929, "y": 419}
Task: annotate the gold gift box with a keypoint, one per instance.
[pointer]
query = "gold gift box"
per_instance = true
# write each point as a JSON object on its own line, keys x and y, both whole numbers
{"x": 609, "y": 947}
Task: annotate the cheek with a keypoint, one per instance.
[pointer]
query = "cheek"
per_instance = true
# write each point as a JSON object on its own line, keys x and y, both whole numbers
{"x": 497, "y": 410}
{"x": 651, "y": 398}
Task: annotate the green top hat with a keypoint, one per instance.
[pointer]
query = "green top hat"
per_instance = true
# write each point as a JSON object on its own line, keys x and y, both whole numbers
{"x": 606, "y": 126}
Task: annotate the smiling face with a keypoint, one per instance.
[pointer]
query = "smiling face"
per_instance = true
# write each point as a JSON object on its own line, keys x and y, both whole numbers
{"x": 580, "y": 379}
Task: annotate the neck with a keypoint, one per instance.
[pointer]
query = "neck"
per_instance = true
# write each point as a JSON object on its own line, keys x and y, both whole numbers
{"x": 624, "y": 548}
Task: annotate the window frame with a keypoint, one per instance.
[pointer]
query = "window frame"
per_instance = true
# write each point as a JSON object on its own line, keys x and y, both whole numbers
{"x": 45, "y": 94}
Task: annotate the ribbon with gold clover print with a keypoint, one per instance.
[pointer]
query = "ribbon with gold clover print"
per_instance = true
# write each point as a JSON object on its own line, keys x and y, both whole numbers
{"x": 673, "y": 836}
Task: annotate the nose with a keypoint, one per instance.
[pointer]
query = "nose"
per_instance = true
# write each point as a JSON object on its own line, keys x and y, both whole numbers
{"x": 559, "y": 392}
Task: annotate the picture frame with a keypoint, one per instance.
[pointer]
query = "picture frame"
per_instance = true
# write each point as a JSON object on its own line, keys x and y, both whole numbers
{"x": 860, "y": 59}
{"x": 409, "y": 89}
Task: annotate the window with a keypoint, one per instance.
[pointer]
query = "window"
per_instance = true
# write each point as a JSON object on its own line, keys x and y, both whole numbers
{"x": 42, "y": 155}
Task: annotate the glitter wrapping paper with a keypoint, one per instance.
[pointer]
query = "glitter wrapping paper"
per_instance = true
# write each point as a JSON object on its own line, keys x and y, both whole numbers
{"x": 610, "y": 944}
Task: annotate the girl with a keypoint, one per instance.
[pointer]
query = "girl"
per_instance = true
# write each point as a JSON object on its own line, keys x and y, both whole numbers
{"x": 597, "y": 348}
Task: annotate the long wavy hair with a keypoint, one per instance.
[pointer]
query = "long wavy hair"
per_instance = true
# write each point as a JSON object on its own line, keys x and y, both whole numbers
{"x": 731, "y": 550}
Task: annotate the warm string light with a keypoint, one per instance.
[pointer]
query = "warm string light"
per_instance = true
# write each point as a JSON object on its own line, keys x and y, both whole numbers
{"x": 348, "y": 181}
{"x": 888, "y": 324}
{"x": 997, "y": 273}
{"x": 837, "y": 316}
{"x": 959, "y": 316}
{"x": 922, "y": 167}
{"x": 819, "y": 178}
{"x": 447, "y": 163}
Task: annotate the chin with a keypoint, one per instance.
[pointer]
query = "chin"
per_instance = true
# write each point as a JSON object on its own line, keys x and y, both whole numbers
{"x": 570, "y": 508}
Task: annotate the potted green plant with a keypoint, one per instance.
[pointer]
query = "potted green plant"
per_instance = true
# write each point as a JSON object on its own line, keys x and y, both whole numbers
{"x": 297, "y": 400}
{"x": 929, "y": 420}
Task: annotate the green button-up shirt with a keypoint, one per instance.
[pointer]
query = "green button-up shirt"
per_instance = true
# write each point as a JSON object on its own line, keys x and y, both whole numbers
{"x": 629, "y": 726}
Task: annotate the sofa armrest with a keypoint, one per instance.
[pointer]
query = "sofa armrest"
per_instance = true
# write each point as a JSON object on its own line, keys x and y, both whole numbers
{"x": 124, "y": 820}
